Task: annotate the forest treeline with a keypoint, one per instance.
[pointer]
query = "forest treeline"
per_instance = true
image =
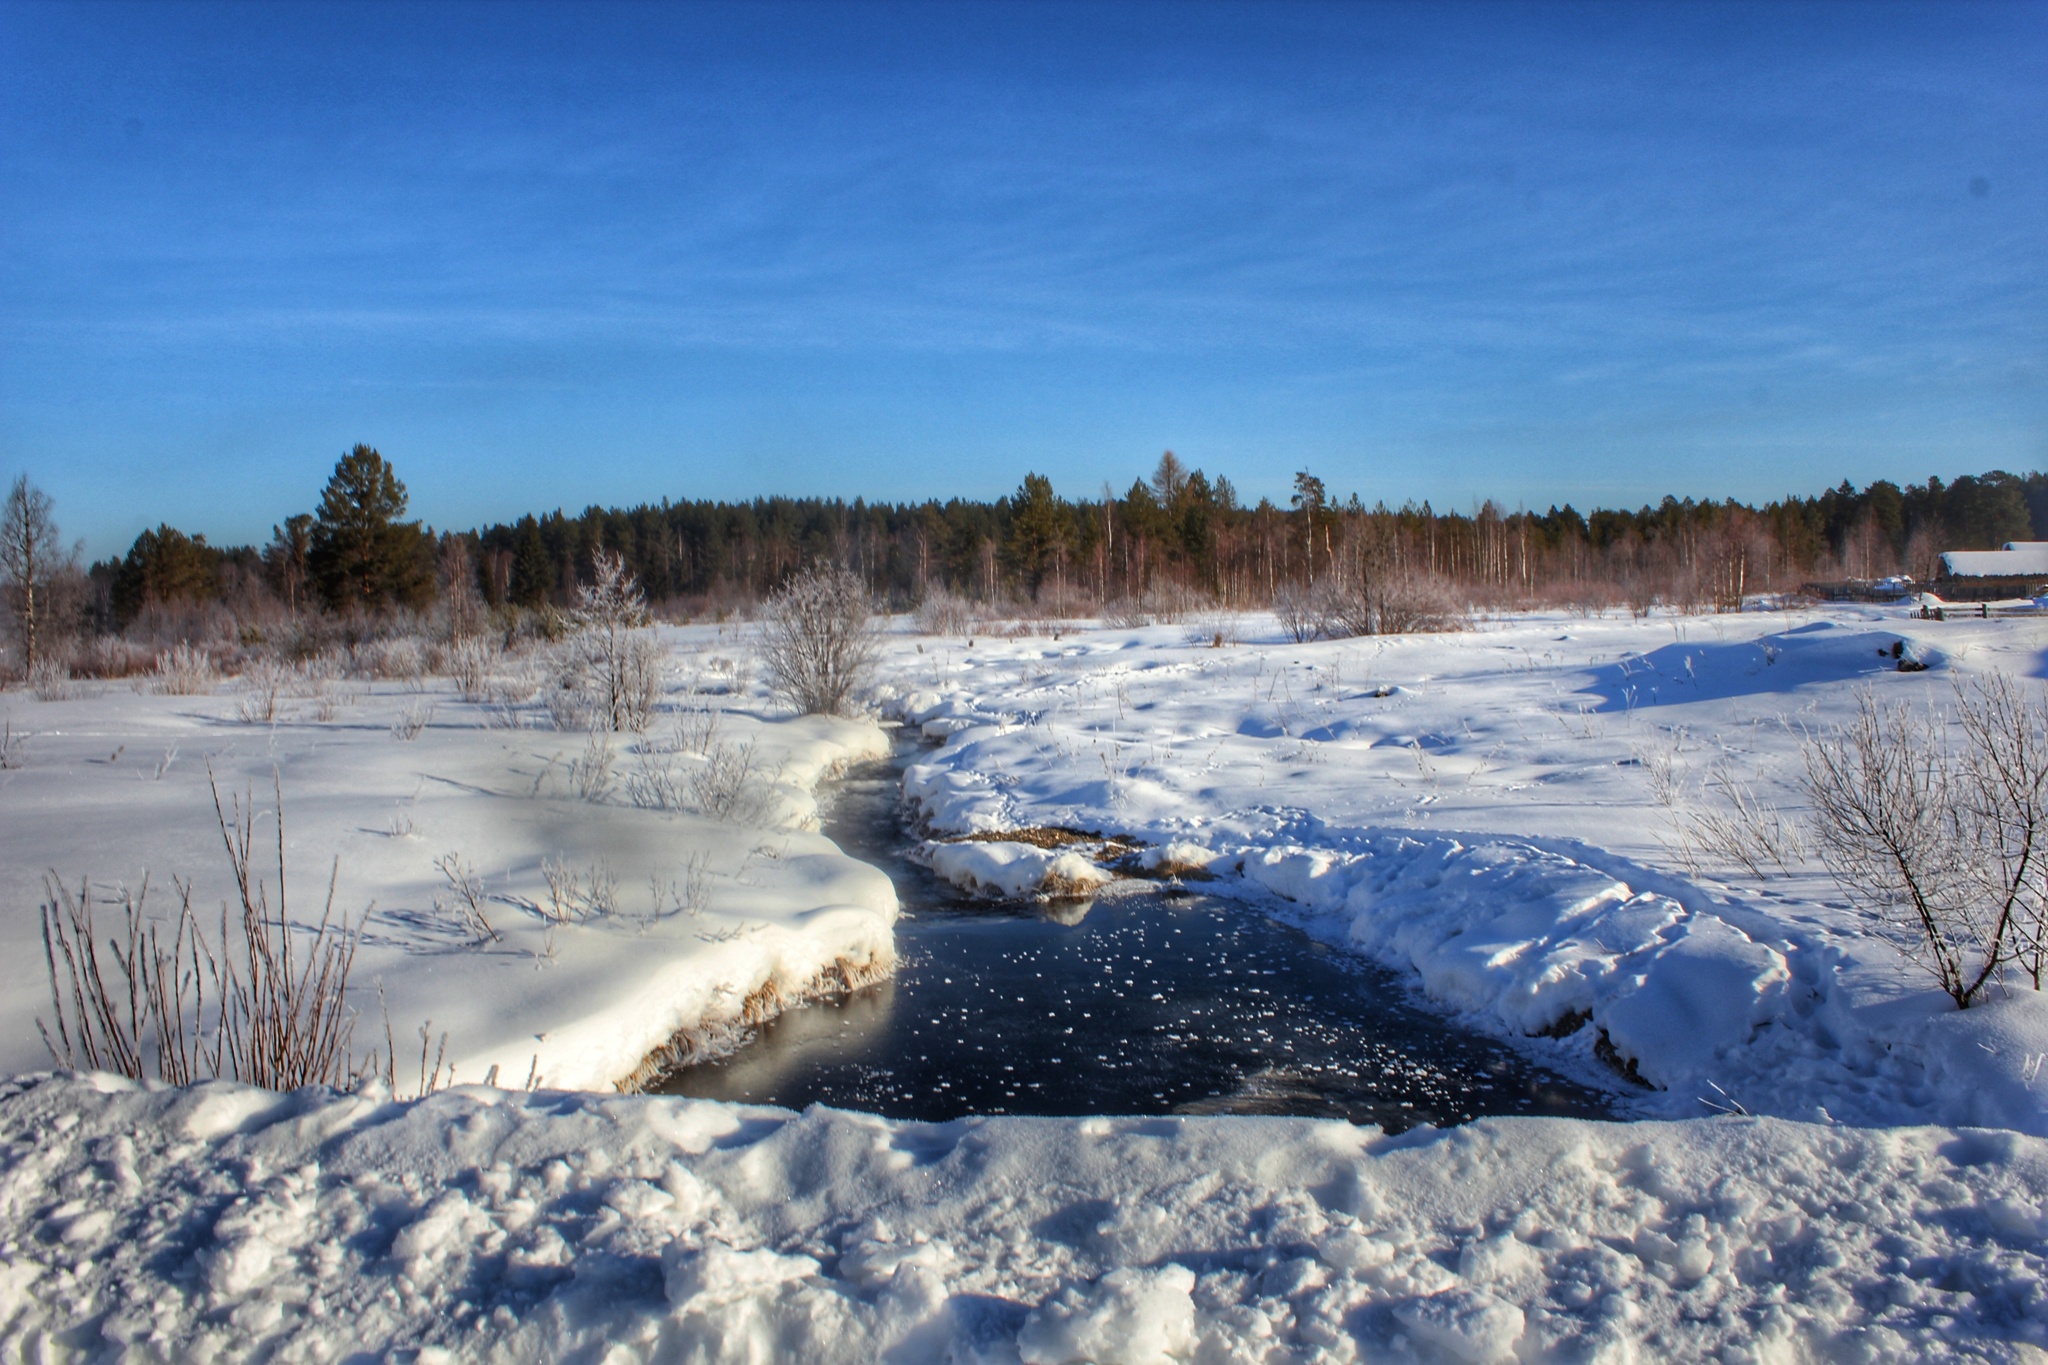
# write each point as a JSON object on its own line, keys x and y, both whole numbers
{"x": 1180, "y": 532}
{"x": 1178, "y": 538}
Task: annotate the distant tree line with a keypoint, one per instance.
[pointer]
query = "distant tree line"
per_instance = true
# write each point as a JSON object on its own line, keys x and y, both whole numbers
{"x": 1177, "y": 537}
{"x": 1181, "y": 531}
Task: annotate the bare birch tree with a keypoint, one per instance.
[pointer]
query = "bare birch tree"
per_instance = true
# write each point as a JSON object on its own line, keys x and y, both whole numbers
{"x": 30, "y": 556}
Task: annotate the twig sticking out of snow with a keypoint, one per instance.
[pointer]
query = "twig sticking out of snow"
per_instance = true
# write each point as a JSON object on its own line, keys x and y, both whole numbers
{"x": 469, "y": 896}
{"x": 411, "y": 720}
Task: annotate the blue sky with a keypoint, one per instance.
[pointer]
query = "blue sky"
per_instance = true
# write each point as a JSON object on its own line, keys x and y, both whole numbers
{"x": 557, "y": 255}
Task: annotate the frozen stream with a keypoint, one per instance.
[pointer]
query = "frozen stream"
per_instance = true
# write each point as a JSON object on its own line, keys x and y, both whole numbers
{"x": 1145, "y": 1003}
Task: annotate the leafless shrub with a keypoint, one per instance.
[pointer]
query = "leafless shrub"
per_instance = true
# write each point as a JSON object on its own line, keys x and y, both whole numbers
{"x": 399, "y": 659}
{"x": 469, "y": 661}
{"x": 51, "y": 680}
{"x": 568, "y": 707}
{"x": 945, "y": 613}
{"x": 506, "y": 697}
{"x": 601, "y": 890}
{"x": 564, "y": 890}
{"x": 317, "y": 675}
{"x": 1639, "y": 592}
{"x": 155, "y": 1017}
{"x": 1742, "y": 828}
{"x": 266, "y": 1003}
{"x": 430, "y": 1080}
{"x": 722, "y": 676}
{"x": 611, "y": 660}
{"x": 413, "y": 717}
{"x": 259, "y": 687}
{"x": 467, "y": 897}
{"x": 110, "y": 656}
{"x": 656, "y": 782}
{"x": 498, "y": 716}
{"x": 1660, "y": 765}
{"x": 659, "y": 780}
{"x": 817, "y": 642}
{"x": 1296, "y": 609}
{"x": 515, "y": 688}
{"x": 183, "y": 671}
{"x": 575, "y": 897}
{"x": 695, "y": 729}
{"x": 13, "y": 751}
{"x": 1942, "y": 840}
{"x": 728, "y": 785}
{"x": 591, "y": 775}
{"x": 1214, "y": 629}
{"x": 687, "y": 897}
{"x": 1591, "y": 598}
{"x": 1371, "y": 592}
{"x": 1127, "y": 614}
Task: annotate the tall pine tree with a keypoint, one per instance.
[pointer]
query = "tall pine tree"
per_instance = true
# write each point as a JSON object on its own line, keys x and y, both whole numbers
{"x": 362, "y": 556}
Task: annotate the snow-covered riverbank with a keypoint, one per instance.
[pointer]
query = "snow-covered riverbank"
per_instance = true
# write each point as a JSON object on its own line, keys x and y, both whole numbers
{"x": 1496, "y": 812}
{"x": 1490, "y": 813}
{"x": 617, "y": 926}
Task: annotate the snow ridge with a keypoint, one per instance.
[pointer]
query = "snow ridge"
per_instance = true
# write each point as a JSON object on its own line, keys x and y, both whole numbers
{"x": 224, "y": 1223}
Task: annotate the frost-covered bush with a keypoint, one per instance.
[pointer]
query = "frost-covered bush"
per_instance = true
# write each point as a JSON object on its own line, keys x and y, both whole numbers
{"x": 567, "y": 706}
{"x": 817, "y": 641}
{"x": 945, "y": 613}
{"x": 610, "y": 660}
{"x": 591, "y": 774}
{"x": 729, "y": 785}
{"x": 258, "y": 689}
{"x": 466, "y": 901}
{"x": 468, "y": 663}
{"x": 183, "y": 671}
{"x": 316, "y": 674}
{"x": 51, "y": 680}
{"x": 400, "y": 658}
{"x": 110, "y": 656}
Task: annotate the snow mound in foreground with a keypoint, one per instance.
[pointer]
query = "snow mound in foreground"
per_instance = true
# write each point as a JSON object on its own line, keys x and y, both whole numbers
{"x": 224, "y": 1223}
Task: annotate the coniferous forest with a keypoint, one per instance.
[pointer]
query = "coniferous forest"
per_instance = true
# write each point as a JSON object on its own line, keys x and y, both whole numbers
{"x": 1174, "y": 541}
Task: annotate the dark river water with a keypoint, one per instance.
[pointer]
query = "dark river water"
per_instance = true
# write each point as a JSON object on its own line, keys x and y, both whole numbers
{"x": 1153, "y": 1003}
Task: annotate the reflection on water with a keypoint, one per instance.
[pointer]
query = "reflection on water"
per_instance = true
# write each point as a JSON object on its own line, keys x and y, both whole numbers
{"x": 1131, "y": 1004}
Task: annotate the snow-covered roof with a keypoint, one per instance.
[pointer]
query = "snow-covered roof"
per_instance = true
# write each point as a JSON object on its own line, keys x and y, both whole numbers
{"x": 2018, "y": 557}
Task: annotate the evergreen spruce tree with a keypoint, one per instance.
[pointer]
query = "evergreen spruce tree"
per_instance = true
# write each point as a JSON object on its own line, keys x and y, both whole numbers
{"x": 532, "y": 575}
{"x": 1034, "y": 531}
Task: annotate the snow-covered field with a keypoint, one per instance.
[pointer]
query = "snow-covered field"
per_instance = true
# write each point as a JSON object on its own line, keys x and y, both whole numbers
{"x": 673, "y": 919}
{"x": 1491, "y": 812}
